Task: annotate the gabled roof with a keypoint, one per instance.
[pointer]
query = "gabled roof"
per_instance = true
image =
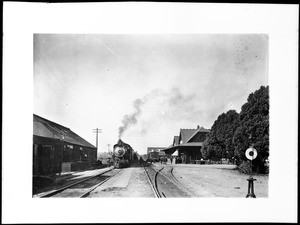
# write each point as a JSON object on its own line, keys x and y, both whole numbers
{"x": 175, "y": 141}
{"x": 46, "y": 128}
{"x": 185, "y": 134}
{"x": 201, "y": 129}
{"x": 190, "y": 138}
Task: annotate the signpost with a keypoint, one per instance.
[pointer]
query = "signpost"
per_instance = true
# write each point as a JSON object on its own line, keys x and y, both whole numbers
{"x": 251, "y": 154}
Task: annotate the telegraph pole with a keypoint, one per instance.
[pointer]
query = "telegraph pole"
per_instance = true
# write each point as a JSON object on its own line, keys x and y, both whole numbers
{"x": 97, "y": 130}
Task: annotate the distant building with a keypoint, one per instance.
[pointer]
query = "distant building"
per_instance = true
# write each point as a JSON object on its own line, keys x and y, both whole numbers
{"x": 57, "y": 149}
{"x": 161, "y": 153}
{"x": 153, "y": 152}
{"x": 188, "y": 144}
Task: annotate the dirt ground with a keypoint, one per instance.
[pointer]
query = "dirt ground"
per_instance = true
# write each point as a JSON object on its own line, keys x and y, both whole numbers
{"x": 201, "y": 180}
{"x": 219, "y": 181}
{"x": 130, "y": 182}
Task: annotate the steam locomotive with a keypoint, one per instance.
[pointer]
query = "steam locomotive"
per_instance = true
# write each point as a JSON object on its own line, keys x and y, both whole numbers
{"x": 123, "y": 154}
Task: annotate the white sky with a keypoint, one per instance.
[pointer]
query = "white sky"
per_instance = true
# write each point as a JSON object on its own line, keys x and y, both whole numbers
{"x": 85, "y": 81}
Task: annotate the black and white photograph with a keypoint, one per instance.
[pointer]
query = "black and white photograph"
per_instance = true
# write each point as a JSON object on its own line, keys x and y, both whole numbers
{"x": 106, "y": 112}
{"x": 154, "y": 115}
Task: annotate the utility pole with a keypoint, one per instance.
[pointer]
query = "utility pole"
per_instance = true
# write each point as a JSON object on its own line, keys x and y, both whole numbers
{"x": 108, "y": 145}
{"x": 97, "y": 130}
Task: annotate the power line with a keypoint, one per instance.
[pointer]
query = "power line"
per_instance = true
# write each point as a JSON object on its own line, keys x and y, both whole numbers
{"x": 97, "y": 130}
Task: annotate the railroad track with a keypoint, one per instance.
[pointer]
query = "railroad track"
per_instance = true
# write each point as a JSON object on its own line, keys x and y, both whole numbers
{"x": 180, "y": 184}
{"x": 153, "y": 186}
{"x": 83, "y": 188}
{"x": 160, "y": 193}
{"x": 165, "y": 187}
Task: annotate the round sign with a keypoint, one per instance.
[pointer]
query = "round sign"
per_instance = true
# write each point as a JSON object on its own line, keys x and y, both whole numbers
{"x": 251, "y": 153}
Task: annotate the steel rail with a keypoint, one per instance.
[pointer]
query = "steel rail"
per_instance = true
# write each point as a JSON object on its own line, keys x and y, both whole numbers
{"x": 155, "y": 181}
{"x": 71, "y": 185}
{"x": 97, "y": 185}
{"x": 179, "y": 184}
{"x": 156, "y": 194}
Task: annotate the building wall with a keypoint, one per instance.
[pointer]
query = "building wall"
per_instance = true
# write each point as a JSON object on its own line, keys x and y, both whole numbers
{"x": 190, "y": 153}
{"x": 76, "y": 153}
{"x": 51, "y": 156}
{"x": 153, "y": 152}
{"x": 47, "y": 154}
{"x": 153, "y": 155}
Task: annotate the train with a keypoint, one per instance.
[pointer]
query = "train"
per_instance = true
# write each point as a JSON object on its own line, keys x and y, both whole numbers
{"x": 123, "y": 155}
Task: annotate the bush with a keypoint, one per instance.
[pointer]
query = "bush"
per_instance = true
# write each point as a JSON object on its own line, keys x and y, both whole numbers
{"x": 257, "y": 167}
{"x": 245, "y": 167}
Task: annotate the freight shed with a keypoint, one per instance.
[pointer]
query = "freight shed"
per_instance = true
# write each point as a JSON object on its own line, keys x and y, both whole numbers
{"x": 57, "y": 149}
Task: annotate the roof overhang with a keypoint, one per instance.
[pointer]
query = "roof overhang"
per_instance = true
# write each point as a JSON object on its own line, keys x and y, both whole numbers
{"x": 172, "y": 149}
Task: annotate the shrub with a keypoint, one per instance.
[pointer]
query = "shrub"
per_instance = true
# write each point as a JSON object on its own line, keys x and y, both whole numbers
{"x": 245, "y": 167}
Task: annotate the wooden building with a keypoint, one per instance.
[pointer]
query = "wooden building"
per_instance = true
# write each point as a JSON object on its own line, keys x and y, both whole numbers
{"x": 153, "y": 152}
{"x": 188, "y": 144}
{"x": 57, "y": 149}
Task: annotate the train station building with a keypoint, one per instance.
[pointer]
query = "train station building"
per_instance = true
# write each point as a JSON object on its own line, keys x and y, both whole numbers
{"x": 57, "y": 149}
{"x": 187, "y": 146}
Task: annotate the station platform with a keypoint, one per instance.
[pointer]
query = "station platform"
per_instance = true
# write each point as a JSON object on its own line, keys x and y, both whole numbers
{"x": 67, "y": 178}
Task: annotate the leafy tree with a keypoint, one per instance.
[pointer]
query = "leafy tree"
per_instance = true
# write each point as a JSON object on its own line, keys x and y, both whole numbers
{"x": 206, "y": 153}
{"x": 254, "y": 128}
{"x": 219, "y": 142}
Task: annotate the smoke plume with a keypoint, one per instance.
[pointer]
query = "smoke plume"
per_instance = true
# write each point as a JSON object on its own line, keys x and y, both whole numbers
{"x": 173, "y": 103}
{"x": 129, "y": 120}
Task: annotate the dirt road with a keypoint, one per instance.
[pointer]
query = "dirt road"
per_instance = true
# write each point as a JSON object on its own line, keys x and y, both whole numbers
{"x": 218, "y": 181}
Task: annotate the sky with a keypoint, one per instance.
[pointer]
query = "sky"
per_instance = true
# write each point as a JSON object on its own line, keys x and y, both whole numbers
{"x": 144, "y": 88}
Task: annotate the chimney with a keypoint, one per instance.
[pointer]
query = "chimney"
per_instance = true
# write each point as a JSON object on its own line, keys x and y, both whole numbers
{"x": 198, "y": 127}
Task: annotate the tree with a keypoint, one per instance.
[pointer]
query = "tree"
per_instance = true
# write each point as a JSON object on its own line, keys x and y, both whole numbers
{"x": 205, "y": 152}
{"x": 254, "y": 128}
{"x": 219, "y": 142}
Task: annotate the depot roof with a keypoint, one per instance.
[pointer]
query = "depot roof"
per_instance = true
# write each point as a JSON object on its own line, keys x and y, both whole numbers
{"x": 186, "y": 138}
{"x": 185, "y": 134}
{"x": 46, "y": 128}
